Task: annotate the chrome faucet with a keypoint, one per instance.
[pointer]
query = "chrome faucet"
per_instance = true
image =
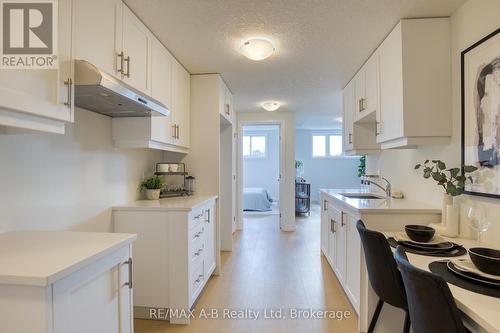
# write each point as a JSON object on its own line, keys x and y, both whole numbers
{"x": 368, "y": 180}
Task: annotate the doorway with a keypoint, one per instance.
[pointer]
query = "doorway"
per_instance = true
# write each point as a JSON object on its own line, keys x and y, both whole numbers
{"x": 260, "y": 157}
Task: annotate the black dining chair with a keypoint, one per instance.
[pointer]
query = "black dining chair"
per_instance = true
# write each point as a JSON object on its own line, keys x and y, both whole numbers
{"x": 430, "y": 302}
{"x": 383, "y": 274}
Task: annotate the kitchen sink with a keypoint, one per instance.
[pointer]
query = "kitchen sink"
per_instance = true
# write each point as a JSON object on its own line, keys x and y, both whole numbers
{"x": 361, "y": 196}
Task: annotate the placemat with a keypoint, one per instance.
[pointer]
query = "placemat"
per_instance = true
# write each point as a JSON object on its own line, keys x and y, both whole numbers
{"x": 459, "y": 251}
{"x": 440, "y": 268}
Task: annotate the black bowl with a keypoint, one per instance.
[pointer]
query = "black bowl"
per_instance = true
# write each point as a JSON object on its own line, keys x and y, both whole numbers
{"x": 486, "y": 260}
{"x": 420, "y": 233}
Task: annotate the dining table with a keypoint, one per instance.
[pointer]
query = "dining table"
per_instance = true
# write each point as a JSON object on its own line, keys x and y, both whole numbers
{"x": 481, "y": 313}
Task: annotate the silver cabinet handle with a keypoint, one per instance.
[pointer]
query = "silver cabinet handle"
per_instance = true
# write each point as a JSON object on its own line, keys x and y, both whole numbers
{"x": 342, "y": 223}
{"x": 173, "y": 134}
{"x": 69, "y": 84}
{"x": 350, "y": 138}
{"x": 362, "y": 104}
{"x": 130, "y": 273}
{"x": 332, "y": 225}
{"x": 208, "y": 216}
{"x": 127, "y": 60}
{"x": 325, "y": 205}
{"x": 228, "y": 109}
{"x": 120, "y": 57}
{"x": 178, "y": 131}
{"x": 378, "y": 128}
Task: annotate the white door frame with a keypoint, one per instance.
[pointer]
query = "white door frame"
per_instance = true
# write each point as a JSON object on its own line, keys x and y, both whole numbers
{"x": 239, "y": 185}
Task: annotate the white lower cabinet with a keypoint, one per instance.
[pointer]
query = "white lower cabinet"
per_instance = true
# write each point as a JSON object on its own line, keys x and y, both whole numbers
{"x": 174, "y": 257}
{"x": 96, "y": 298}
{"x": 342, "y": 248}
{"x": 101, "y": 292}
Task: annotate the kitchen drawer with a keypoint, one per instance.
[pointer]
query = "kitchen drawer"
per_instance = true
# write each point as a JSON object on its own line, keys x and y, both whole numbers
{"x": 197, "y": 281}
{"x": 334, "y": 213}
{"x": 196, "y": 233}
{"x": 196, "y": 252}
{"x": 196, "y": 217}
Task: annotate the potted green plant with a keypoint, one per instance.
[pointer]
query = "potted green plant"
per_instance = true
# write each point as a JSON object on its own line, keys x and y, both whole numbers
{"x": 299, "y": 169}
{"x": 153, "y": 186}
{"x": 362, "y": 166}
{"x": 453, "y": 181}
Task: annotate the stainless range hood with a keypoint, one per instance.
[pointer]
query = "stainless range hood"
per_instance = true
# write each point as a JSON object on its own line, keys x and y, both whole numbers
{"x": 100, "y": 92}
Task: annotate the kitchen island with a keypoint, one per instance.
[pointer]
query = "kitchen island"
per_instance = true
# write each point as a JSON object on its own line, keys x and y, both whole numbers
{"x": 341, "y": 245}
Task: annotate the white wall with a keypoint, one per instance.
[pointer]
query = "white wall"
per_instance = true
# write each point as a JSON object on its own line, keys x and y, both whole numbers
{"x": 287, "y": 202}
{"x": 68, "y": 181}
{"x": 336, "y": 172}
{"x": 474, "y": 20}
{"x": 264, "y": 172}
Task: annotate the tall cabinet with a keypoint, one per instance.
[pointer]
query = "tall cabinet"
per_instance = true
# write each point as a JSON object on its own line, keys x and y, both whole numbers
{"x": 212, "y": 157}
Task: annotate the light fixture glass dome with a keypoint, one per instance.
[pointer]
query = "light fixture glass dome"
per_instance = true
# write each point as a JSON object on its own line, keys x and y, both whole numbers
{"x": 271, "y": 105}
{"x": 257, "y": 48}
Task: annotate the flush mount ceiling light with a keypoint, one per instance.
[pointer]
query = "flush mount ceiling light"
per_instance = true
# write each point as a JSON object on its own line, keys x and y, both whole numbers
{"x": 271, "y": 105}
{"x": 338, "y": 119}
{"x": 257, "y": 48}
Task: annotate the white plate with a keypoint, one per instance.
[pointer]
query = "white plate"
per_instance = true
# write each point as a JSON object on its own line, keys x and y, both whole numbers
{"x": 467, "y": 265}
{"x": 470, "y": 276}
{"x": 403, "y": 237}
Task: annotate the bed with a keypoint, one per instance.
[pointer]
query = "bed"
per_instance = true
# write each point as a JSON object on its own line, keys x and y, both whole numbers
{"x": 256, "y": 199}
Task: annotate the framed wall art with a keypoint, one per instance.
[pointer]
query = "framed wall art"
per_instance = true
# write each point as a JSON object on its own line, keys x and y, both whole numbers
{"x": 480, "y": 67}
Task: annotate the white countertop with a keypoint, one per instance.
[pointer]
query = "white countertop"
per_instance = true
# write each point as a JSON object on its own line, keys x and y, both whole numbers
{"x": 483, "y": 310}
{"x": 382, "y": 206}
{"x": 168, "y": 204}
{"x": 39, "y": 258}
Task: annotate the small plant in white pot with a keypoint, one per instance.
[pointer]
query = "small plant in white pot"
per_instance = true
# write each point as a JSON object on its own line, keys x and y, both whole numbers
{"x": 153, "y": 187}
{"x": 453, "y": 181}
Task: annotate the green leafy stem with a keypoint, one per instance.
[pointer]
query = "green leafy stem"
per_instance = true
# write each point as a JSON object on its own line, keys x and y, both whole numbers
{"x": 453, "y": 180}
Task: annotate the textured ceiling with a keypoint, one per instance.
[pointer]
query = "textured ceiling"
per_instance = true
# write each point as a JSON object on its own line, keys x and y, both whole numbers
{"x": 320, "y": 43}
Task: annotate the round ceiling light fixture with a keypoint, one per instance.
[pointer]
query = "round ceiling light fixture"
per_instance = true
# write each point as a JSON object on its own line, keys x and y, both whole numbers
{"x": 257, "y": 48}
{"x": 271, "y": 105}
{"x": 339, "y": 119}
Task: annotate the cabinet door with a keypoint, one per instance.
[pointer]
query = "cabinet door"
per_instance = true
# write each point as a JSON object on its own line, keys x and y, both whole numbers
{"x": 340, "y": 247}
{"x": 161, "y": 90}
{"x": 353, "y": 261}
{"x": 348, "y": 116}
{"x": 181, "y": 87}
{"x": 210, "y": 248}
{"x": 391, "y": 87}
{"x": 96, "y": 298}
{"x": 45, "y": 92}
{"x": 97, "y": 33}
{"x": 161, "y": 74}
{"x": 137, "y": 51}
{"x": 372, "y": 84}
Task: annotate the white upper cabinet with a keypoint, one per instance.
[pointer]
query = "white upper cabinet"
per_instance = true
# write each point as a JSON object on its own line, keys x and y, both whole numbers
{"x": 41, "y": 100}
{"x": 181, "y": 101}
{"x": 406, "y": 82}
{"x": 415, "y": 84}
{"x": 136, "y": 52}
{"x": 102, "y": 18}
{"x": 358, "y": 136}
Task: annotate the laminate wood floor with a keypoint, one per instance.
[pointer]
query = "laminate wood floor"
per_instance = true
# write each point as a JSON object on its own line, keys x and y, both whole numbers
{"x": 270, "y": 269}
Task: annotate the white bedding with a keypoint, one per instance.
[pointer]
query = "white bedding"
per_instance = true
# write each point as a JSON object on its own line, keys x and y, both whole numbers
{"x": 256, "y": 199}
